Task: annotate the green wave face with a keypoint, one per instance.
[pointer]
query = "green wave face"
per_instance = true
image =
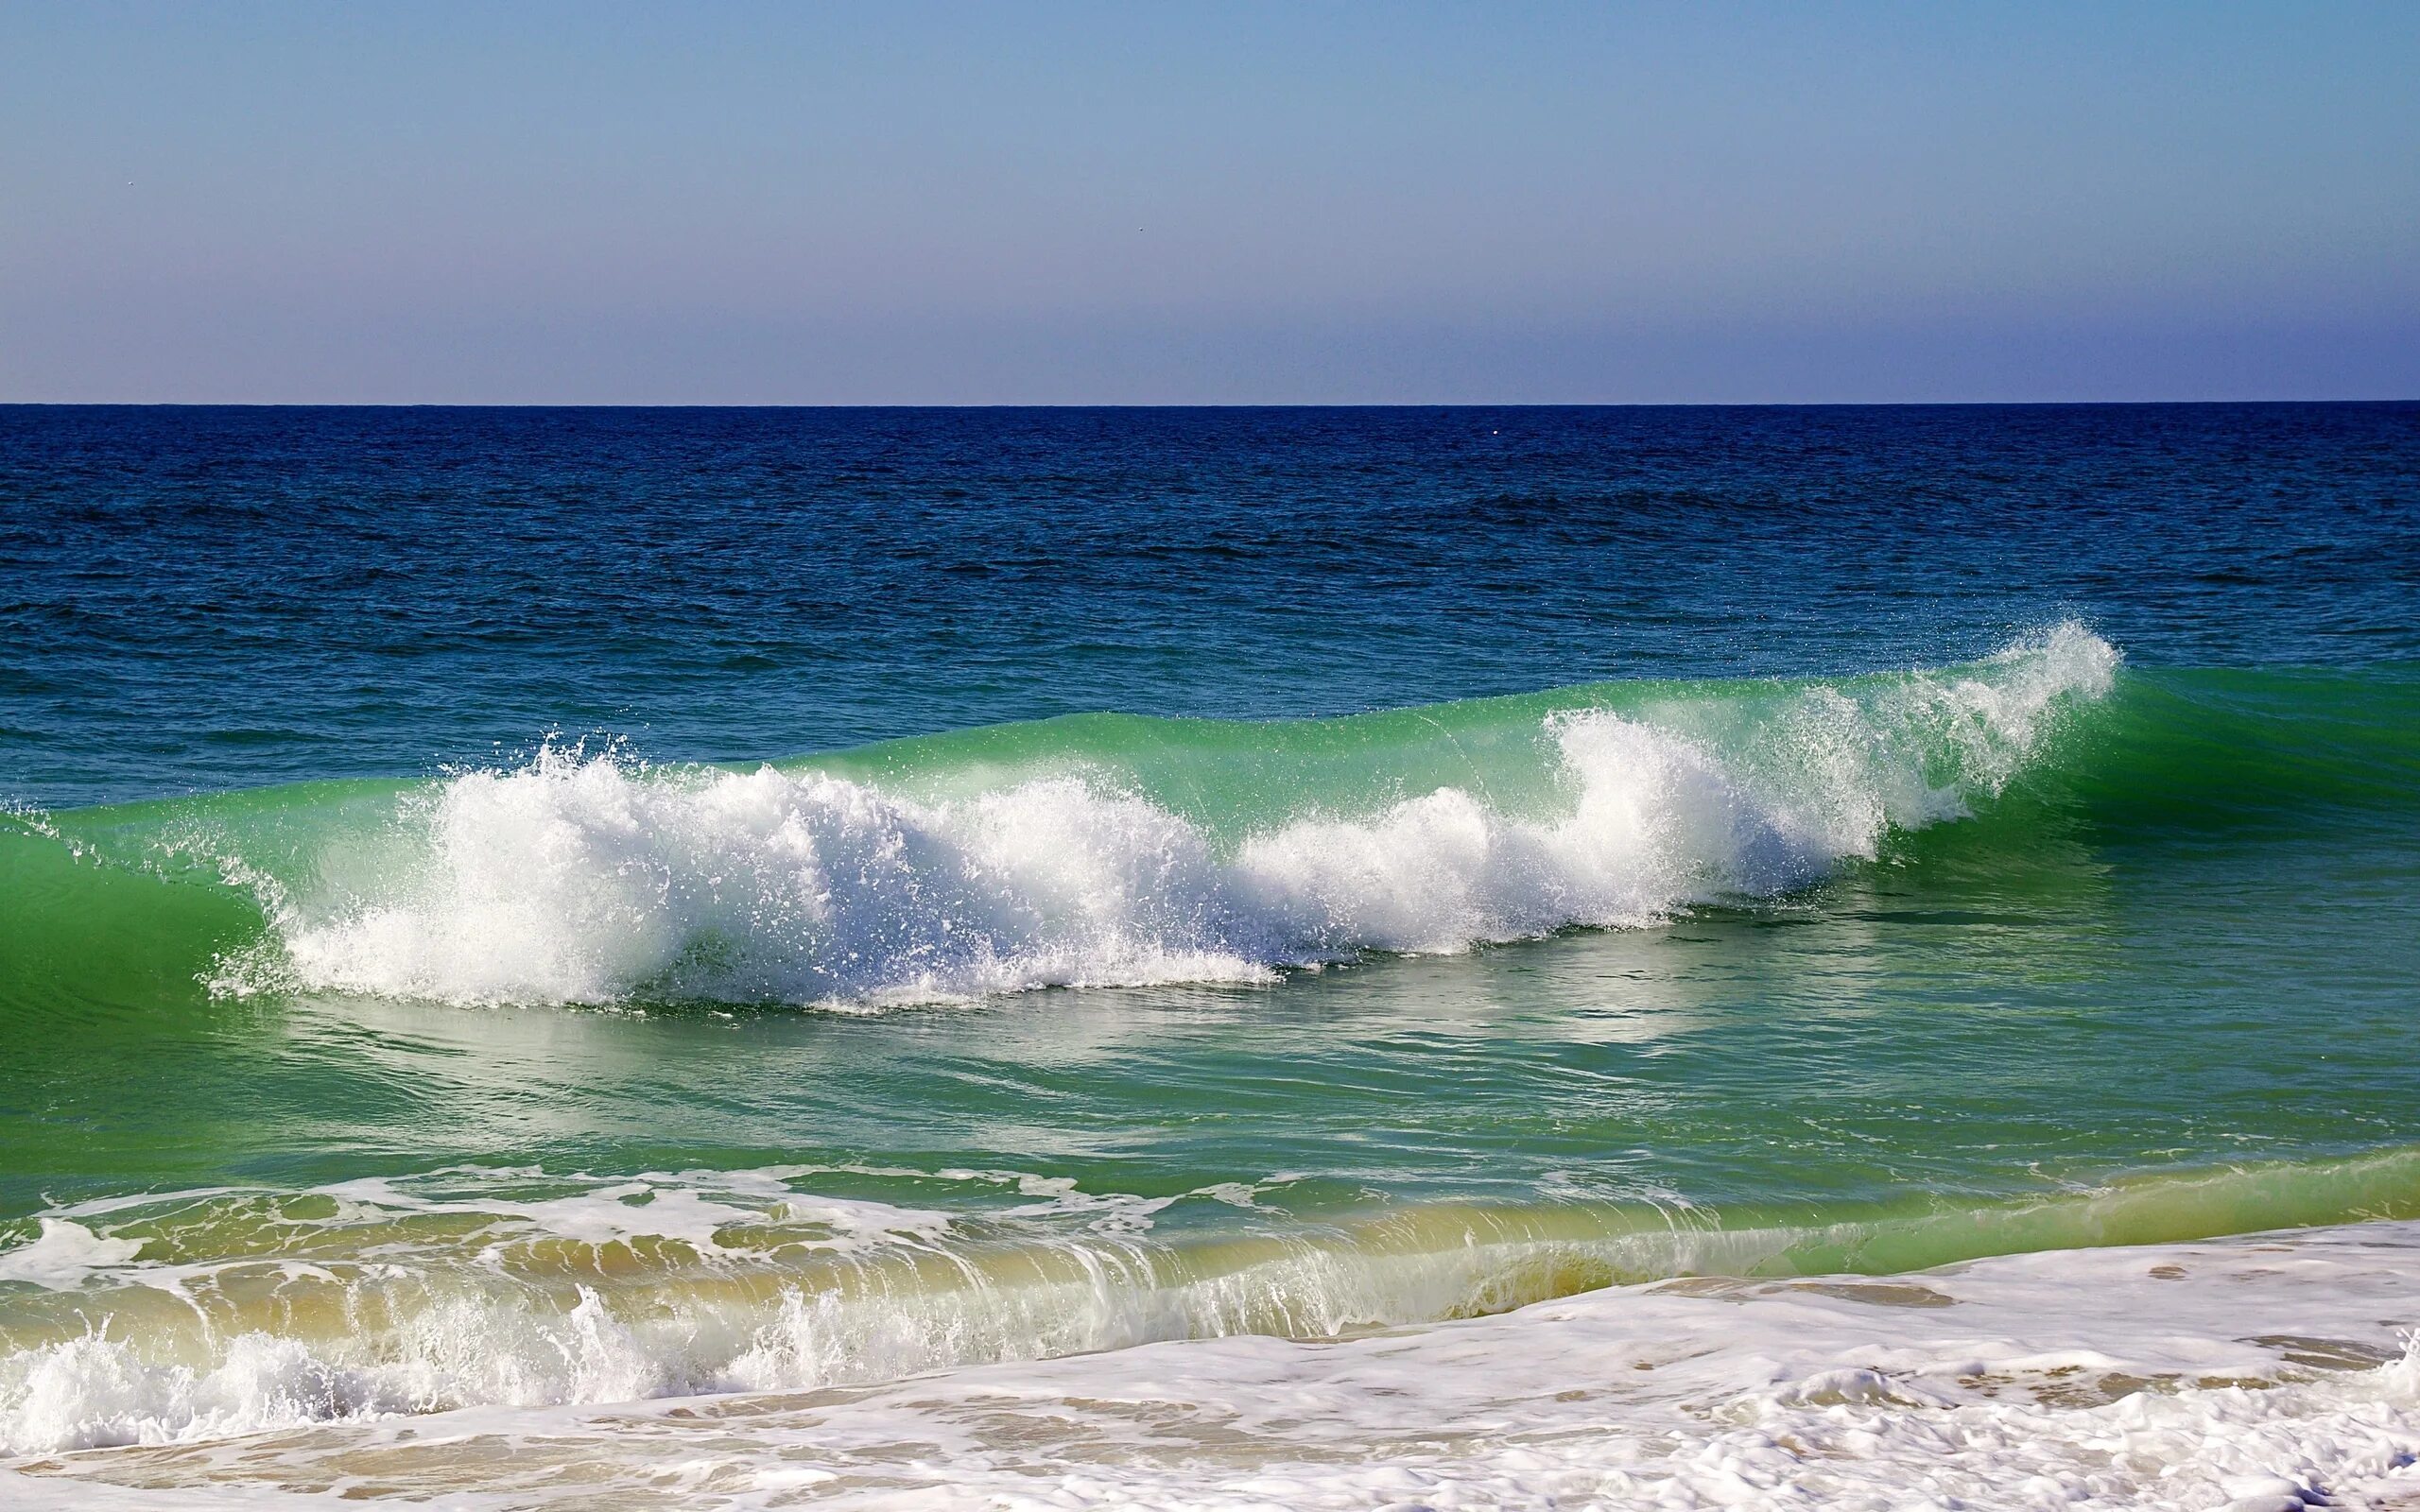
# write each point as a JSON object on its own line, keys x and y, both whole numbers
{"x": 1603, "y": 983}
{"x": 1118, "y": 848}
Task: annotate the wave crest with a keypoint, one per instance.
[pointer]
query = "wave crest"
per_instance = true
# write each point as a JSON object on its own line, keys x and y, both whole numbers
{"x": 583, "y": 879}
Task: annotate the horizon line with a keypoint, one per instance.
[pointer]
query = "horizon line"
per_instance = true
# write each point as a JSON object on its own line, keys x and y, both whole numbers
{"x": 1098, "y": 405}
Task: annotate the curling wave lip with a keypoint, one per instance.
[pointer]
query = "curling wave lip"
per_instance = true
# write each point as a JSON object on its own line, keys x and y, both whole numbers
{"x": 585, "y": 879}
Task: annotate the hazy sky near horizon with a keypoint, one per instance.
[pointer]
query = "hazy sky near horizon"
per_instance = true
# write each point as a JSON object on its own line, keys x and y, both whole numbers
{"x": 1236, "y": 203}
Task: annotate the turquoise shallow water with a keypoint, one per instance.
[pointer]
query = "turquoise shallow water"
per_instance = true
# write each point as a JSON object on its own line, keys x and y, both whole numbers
{"x": 2084, "y": 916}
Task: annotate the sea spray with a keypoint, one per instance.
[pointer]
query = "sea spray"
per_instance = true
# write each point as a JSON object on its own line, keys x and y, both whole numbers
{"x": 583, "y": 877}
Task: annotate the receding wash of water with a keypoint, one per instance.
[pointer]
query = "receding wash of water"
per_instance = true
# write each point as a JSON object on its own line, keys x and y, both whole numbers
{"x": 1821, "y": 957}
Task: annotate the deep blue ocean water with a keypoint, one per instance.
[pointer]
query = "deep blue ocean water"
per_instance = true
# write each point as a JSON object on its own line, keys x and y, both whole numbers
{"x": 204, "y": 597}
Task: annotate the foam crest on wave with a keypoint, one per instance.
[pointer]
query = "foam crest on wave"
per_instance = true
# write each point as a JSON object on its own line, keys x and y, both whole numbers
{"x": 580, "y": 878}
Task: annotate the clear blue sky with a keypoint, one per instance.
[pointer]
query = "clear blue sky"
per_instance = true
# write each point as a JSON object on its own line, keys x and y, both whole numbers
{"x": 1160, "y": 203}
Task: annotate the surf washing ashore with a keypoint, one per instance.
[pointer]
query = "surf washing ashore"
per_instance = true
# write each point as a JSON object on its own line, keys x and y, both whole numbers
{"x": 1961, "y": 1055}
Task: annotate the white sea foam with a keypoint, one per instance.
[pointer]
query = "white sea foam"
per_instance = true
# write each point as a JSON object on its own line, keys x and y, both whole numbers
{"x": 244, "y": 1310}
{"x": 62, "y": 1253}
{"x": 2261, "y": 1374}
{"x": 251, "y": 1310}
{"x": 580, "y": 879}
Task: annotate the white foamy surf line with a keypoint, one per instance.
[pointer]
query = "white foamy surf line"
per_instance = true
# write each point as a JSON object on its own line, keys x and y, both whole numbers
{"x": 585, "y": 880}
{"x": 2260, "y": 1374}
{"x": 178, "y": 1318}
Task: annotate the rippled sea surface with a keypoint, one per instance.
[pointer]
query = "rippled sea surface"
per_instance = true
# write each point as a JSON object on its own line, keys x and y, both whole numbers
{"x": 1174, "y": 921}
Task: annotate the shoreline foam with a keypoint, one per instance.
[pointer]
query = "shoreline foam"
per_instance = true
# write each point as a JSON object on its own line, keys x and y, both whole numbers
{"x": 2260, "y": 1372}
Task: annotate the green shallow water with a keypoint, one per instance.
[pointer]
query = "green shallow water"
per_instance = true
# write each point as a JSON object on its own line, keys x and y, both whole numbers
{"x": 2179, "y": 938}
{"x": 584, "y": 1080}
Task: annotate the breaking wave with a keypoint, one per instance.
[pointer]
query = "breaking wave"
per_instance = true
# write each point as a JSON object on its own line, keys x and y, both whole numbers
{"x": 583, "y": 877}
